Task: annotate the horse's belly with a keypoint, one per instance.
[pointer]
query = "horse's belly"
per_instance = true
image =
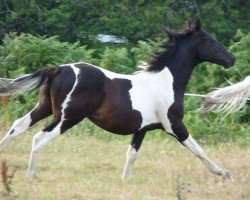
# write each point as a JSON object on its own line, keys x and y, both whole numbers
{"x": 117, "y": 119}
{"x": 123, "y": 121}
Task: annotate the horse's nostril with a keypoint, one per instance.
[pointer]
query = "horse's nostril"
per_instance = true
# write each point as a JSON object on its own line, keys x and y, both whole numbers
{"x": 233, "y": 58}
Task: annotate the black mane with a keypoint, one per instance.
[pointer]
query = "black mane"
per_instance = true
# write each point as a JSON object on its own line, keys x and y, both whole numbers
{"x": 167, "y": 50}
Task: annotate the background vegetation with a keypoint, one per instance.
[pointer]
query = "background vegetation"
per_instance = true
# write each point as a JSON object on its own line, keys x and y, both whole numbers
{"x": 36, "y": 34}
{"x": 86, "y": 163}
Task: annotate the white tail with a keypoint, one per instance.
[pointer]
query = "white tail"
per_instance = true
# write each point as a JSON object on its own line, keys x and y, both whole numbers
{"x": 228, "y": 99}
{"x": 10, "y": 87}
{"x": 28, "y": 82}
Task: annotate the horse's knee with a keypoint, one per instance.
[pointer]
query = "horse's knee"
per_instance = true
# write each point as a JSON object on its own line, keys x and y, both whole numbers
{"x": 36, "y": 146}
{"x": 179, "y": 129}
{"x": 192, "y": 145}
{"x": 37, "y": 137}
{"x": 20, "y": 125}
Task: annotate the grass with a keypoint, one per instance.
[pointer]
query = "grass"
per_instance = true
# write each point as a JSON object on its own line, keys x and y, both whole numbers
{"x": 87, "y": 168}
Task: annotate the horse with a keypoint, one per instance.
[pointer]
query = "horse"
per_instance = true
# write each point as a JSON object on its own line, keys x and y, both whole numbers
{"x": 121, "y": 104}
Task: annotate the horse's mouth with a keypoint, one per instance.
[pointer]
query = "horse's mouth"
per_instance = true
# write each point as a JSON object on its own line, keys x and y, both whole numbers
{"x": 227, "y": 66}
{"x": 229, "y": 63}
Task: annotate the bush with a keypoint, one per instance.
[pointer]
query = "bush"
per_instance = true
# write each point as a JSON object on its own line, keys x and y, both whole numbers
{"x": 117, "y": 60}
{"x": 27, "y": 53}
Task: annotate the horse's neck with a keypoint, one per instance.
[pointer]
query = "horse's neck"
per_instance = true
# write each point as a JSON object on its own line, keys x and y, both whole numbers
{"x": 181, "y": 70}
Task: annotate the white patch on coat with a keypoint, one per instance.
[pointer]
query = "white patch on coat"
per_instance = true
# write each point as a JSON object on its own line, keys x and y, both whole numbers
{"x": 18, "y": 127}
{"x": 152, "y": 95}
{"x": 67, "y": 99}
{"x": 21, "y": 125}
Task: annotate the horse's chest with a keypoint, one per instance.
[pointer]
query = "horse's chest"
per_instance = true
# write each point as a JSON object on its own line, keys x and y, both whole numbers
{"x": 152, "y": 99}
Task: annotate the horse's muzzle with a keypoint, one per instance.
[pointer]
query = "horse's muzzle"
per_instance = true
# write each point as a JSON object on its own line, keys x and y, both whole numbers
{"x": 229, "y": 62}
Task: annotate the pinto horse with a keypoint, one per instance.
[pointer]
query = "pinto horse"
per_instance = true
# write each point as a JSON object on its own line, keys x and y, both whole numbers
{"x": 122, "y": 104}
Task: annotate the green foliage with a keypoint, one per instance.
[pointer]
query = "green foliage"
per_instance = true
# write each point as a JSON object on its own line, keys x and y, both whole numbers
{"x": 27, "y": 53}
{"x": 78, "y": 20}
{"x": 241, "y": 50}
{"x": 19, "y": 106}
{"x": 117, "y": 60}
{"x": 145, "y": 50}
{"x": 217, "y": 127}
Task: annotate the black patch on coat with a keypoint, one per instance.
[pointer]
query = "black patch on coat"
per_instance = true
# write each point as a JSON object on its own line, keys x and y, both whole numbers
{"x": 151, "y": 127}
{"x": 175, "y": 115}
{"x": 181, "y": 77}
{"x": 116, "y": 114}
{"x": 61, "y": 85}
{"x": 86, "y": 97}
{"x": 155, "y": 126}
{"x": 44, "y": 108}
{"x": 51, "y": 126}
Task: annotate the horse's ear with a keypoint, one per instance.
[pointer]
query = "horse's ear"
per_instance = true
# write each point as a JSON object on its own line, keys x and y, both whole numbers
{"x": 197, "y": 25}
{"x": 190, "y": 24}
{"x": 171, "y": 34}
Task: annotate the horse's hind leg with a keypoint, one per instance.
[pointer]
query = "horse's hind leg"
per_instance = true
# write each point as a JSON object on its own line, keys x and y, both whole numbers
{"x": 39, "y": 141}
{"x": 42, "y": 138}
{"x": 42, "y": 110}
{"x": 132, "y": 153}
{"x": 22, "y": 124}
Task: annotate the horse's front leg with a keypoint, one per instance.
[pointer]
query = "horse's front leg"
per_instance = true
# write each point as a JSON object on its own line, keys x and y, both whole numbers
{"x": 176, "y": 127}
{"x": 192, "y": 145}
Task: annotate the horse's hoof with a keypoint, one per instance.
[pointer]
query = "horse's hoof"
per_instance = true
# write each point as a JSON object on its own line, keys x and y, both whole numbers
{"x": 225, "y": 174}
{"x": 126, "y": 176}
{"x": 33, "y": 176}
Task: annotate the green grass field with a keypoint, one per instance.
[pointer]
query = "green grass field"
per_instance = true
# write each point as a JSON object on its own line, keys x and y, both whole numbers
{"x": 88, "y": 168}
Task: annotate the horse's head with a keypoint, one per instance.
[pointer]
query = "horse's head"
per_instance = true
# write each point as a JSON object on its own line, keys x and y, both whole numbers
{"x": 204, "y": 47}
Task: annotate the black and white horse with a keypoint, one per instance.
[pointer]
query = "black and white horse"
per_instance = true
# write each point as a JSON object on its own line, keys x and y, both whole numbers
{"x": 121, "y": 104}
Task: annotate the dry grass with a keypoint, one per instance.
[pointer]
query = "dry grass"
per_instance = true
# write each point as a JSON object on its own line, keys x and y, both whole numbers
{"x": 85, "y": 168}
